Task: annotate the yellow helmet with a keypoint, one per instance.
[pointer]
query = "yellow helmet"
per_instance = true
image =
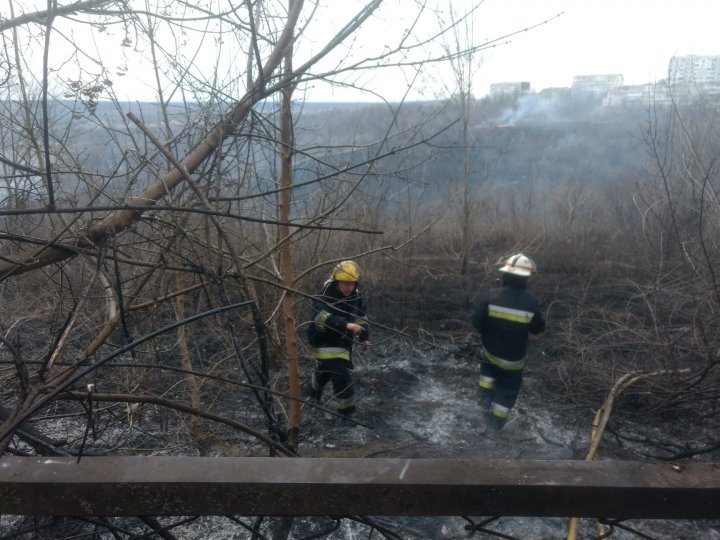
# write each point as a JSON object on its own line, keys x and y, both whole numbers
{"x": 346, "y": 271}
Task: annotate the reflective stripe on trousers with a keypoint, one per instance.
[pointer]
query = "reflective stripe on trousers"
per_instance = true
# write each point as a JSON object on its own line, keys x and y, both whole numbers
{"x": 510, "y": 365}
{"x": 343, "y": 404}
{"x": 487, "y": 383}
{"x": 499, "y": 410}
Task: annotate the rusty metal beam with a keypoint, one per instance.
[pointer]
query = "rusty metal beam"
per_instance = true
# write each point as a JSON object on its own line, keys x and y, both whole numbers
{"x": 120, "y": 486}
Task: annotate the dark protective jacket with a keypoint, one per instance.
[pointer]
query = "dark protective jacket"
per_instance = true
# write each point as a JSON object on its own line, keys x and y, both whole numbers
{"x": 330, "y": 313}
{"x": 504, "y": 319}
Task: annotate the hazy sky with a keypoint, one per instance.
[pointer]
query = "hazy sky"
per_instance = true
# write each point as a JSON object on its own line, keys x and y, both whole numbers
{"x": 636, "y": 38}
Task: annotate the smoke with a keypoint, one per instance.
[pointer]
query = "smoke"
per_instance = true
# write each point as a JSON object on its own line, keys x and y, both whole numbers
{"x": 549, "y": 106}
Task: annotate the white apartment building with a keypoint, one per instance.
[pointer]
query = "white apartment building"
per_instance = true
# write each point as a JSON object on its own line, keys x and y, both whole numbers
{"x": 595, "y": 84}
{"x": 689, "y": 78}
{"x": 649, "y": 93}
{"x": 694, "y": 69}
{"x": 509, "y": 89}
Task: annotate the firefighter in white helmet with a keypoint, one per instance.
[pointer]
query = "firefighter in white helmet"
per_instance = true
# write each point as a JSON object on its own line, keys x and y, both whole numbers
{"x": 505, "y": 318}
{"x": 337, "y": 320}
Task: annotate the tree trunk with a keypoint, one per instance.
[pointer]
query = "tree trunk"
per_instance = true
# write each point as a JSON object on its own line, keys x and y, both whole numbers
{"x": 292, "y": 348}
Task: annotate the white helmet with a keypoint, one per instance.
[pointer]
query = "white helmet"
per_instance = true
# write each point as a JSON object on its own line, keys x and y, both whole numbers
{"x": 519, "y": 265}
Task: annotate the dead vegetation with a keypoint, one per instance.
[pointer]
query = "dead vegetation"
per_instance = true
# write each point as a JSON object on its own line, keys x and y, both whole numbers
{"x": 154, "y": 289}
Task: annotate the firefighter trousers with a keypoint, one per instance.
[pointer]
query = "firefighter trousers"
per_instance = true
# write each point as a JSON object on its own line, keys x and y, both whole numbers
{"x": 499, "y": 387}
{"x": 337, "y": 371}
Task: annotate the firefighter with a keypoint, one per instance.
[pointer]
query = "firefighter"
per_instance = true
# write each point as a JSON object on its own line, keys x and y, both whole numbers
{"x": 504, "y": 319}
{"x": 337, "y": 320}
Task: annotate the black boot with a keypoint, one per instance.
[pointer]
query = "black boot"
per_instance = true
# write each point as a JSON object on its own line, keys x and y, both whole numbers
{"x": 308, "y": 392}
{"x": 495, "y": 422}
{"x": 346, "y": 416}
{"x": 484, "y": 397}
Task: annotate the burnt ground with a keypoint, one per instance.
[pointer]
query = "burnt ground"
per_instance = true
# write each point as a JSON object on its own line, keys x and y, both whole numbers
{"x": 416, "y": 390}
{"x": 417, "y": 400}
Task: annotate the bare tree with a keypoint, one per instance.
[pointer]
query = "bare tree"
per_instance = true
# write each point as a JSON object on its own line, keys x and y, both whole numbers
{"x": 158, "y": 215}
{"x": 680, "y": 215}
{"x": 464, "y": 68}
{"x": 156, "y": 254}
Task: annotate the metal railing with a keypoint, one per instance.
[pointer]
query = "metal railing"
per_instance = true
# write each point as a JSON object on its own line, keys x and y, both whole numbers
{"x": 265, "y": 486}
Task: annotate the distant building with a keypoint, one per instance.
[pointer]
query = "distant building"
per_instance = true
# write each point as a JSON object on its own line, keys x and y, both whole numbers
{"x": 643, "y": 94}
{"x": 597, "y": 85}
{"x": 694, "y": 69}
{"x": 509, "y": 89}
{"x": 691, "y": 77}
{"x": 553, "y": 93}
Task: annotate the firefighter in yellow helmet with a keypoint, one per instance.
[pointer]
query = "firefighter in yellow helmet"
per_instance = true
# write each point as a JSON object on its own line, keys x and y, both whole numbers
{"x": 505, "y": 318}
{"x": 337, "y": 320}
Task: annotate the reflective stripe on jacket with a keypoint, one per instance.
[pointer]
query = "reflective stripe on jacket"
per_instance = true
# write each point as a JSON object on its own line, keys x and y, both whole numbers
{"x": 505, "y": 318}
{"x": 330, "y": 314}
{"x": 328, "y": 353}
{"x": 510, "y": 314}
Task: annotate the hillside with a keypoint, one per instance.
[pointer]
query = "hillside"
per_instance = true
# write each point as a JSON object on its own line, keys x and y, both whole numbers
{"x": 185, "y": 307}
